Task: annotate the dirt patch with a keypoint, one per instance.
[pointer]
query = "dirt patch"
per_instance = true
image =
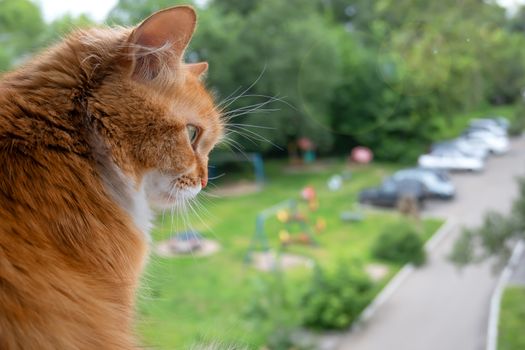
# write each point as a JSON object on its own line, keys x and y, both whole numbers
{"x": 376, "y": 271}
{"x": 207, "y": 247}
{"x": 237, "y": 189}
{"x": 268, "y": 261}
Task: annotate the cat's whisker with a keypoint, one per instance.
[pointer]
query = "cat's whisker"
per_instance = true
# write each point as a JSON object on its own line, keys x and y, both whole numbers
{"x": 234, "y": 145}
{"x": 253, "y": 107}
{"x": 249, "y": 87}
{"x": 251, "y": 126}
{"x": 228, "y": 98}
{"x": 250, "y": 135}
{"x": 216, "y": 177}
{"x": 175, "y": 210}
{"x": 249, "y": 138}
{"x": 208, "y": 195}
{"x": 245, "y": 108}
{"x": 227, "y": 119}
{"x": 202, "y": 208}
{"x": 269, "y": 100}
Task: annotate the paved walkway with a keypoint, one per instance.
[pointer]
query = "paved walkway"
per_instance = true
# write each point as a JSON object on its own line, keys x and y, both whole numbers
{"x": 518, "y": 277}
{"x": 440, "y": 307}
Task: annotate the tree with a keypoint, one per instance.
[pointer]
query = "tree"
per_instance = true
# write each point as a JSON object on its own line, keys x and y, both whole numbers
{"x": 495, "y": 237}
{"x": 62, "y": 26}
{"x": 242, "y": 7}
{"x": 131, "y": 12}
{"x": 299, "y": 54}
{"x": 387, "y": 74}
{"x": 20, "y": 23}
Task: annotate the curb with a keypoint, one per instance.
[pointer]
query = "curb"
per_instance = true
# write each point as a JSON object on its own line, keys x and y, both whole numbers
{"x": 332, "y": 341}
{"x": 495, "y": 299}
{"x": 390, "y": 288}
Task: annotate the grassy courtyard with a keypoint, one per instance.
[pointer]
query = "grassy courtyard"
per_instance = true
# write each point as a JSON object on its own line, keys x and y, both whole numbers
{"x": 193, "y": 299}
{"x": 512, "y": 319}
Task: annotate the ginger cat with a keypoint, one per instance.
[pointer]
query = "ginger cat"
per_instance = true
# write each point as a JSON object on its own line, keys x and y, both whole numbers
{"x": 92, "y": 132}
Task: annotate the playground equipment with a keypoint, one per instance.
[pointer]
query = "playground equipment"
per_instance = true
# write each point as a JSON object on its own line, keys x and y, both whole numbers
{"x": 308, "y": 148}
{"x": 361, "y": 155}
{"x": 288, "y": 214}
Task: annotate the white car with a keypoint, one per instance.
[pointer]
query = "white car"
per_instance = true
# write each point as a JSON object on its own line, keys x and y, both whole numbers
{"x": 450, "y": 160}
{"x": 437, "y": 183}
{"x": 478, "y": 149}
{"x": 497, "y": 124}
{"x": 484, "y": 127}
{"x": 495, "y": 144}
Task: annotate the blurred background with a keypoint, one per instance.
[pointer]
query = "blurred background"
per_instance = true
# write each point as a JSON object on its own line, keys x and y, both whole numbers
{"x": 371, "y": 158}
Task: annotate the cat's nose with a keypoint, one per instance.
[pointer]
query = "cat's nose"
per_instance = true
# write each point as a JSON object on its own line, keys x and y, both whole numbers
{"x": 204, "y": 182}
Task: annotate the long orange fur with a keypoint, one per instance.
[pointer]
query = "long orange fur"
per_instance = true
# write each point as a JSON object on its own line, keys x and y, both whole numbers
{"x": 80, "y": 127}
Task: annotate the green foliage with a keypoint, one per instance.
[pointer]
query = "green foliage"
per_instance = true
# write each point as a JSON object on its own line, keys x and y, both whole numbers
{"x": 62, "y": 26}
{"x": 400, "y": 243}
{"x": 376, "y": 74}
{"x": 390, "y": 74}
{"x": 335, "y": 300}
{"x": 517, "y": 125}
{"x": 282, "y": 59}
{"x": 495, "y": 237}
{"x": 21, "y": 24}
{"x": 210, "y": 298}
{"x": 271, "y": 303}
{"x": 512, "y": 319}
{"x": 132, "y": 12}
{"x": 414, "y": 71}
{"x": 23, "y": 31}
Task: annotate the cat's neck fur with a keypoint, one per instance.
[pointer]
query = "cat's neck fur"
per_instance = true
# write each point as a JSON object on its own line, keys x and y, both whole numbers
{"x": 69, "y": 232}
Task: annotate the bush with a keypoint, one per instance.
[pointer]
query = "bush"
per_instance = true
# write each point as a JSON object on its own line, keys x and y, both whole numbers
{"x": 334, "y": 301}
{"x": 274, "y": 310}
{"x": 400, "y": 243}
{"x": 517, "y": 125}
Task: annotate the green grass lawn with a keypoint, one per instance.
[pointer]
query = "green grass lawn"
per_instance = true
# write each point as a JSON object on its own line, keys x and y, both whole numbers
{"x": 512, "y": 319}
{"x": 189, "y": 299}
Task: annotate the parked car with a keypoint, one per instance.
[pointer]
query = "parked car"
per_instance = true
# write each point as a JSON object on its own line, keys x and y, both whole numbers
{"x": 500, "y": 122}
{"x": 470, "y": 149}
{"x": 391, "y": 192}
{"x": 436, "y": 182}
{"x": 494, "y": 129}
{"x": 450, "y": 159}
{"x": 495, "y": 144}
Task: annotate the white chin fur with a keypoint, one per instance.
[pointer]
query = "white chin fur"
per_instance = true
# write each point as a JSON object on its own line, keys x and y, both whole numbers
{"x": 141, "y": 213}
{"x": 162, "y": 194}
{"x": 189, "y": 193}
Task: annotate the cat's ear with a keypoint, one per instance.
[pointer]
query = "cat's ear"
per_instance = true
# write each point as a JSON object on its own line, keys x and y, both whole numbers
{"x": 160, "y": 40}
{"x": 197, "y": 69}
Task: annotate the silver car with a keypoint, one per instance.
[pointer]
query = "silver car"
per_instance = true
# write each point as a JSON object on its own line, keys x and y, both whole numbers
{"x": 437, "y": 183}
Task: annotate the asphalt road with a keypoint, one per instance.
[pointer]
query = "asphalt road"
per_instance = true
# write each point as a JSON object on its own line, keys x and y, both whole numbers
{"x": 439, "y": 307}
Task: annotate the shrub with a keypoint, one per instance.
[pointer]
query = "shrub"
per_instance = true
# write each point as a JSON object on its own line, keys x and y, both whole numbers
{"x": 517, "y": 125}
{"x": 334, "y": 301}
{"x": 400, "y": 243}
{"x": 274, "y": 310}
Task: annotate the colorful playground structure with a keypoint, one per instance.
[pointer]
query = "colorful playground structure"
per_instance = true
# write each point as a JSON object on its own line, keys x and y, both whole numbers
{"x": 298, "y": 225}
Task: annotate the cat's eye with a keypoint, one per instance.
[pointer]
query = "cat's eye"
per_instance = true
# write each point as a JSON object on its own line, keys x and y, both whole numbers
{"x": 193, "y": 133}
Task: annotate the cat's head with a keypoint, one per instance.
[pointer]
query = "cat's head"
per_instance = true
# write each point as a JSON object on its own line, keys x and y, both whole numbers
{"x": 154, "y": 110}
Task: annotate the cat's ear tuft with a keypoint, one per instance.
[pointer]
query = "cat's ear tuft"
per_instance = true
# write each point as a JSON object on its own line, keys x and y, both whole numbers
{"x": 197, "y": 69}
{"x": 161, "y": 39}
